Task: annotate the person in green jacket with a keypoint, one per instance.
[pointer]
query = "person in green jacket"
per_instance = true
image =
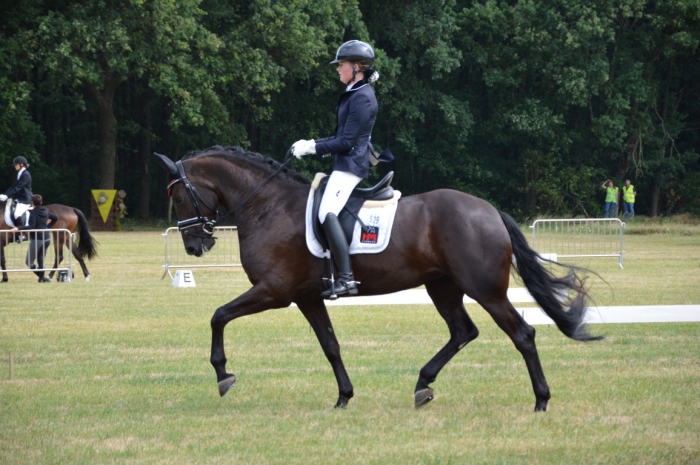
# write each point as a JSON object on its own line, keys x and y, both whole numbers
{"x": 611, "y": 196}
{"x": 629, "y": 192}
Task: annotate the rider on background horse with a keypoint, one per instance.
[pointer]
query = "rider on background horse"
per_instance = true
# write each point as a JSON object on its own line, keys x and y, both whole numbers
{"x": 20, "y": 191}
{"x": 350, "y": 147}
{"x": 39, "y": 218}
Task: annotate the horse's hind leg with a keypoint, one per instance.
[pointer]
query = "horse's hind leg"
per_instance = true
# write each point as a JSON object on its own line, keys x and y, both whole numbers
{"x": 448, "y": 299}
{"x": 78, "y": 256}
{"x": 523, "y": 337}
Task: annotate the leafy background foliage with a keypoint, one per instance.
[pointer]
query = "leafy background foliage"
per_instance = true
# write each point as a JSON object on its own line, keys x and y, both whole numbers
{"x": 528, "y": 105}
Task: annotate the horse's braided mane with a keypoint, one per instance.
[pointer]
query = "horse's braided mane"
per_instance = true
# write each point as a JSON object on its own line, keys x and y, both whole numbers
{"x": 267, "y": 163}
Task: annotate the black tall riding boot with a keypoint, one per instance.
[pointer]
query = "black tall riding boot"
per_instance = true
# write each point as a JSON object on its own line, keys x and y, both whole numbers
{"x": 345, "y": 283}
{"x": 21, "y": 221}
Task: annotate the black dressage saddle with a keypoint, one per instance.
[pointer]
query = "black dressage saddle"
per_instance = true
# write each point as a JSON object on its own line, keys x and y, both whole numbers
{"x": 348, "y": 216}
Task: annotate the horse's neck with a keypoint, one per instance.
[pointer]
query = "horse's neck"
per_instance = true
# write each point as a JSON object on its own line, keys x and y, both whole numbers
{"x": 276, "y": 195}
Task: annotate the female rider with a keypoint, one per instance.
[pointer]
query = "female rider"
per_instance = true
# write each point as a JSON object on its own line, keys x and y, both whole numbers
{"x": 350, "y": 147}
{"x": 21, "y": 191}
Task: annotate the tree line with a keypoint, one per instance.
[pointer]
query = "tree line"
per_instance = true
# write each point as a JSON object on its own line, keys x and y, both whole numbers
{"x": 530, "y": 105}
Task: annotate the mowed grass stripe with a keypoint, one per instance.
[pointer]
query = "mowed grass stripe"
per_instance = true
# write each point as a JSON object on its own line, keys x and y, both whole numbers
{"x": 117, "y": 371}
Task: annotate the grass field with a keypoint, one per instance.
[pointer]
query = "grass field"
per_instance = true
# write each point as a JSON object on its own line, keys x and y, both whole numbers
{"x": 117, "y": 371}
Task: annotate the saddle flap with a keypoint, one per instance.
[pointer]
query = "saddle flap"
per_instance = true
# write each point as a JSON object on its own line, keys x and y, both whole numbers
{"x": 10, "y": 208}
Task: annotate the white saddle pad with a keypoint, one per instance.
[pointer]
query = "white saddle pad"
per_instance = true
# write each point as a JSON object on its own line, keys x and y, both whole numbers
{"x": 19, "y": 211}
{"x": 8, "y": 216}
{"x": 378, "y": 215}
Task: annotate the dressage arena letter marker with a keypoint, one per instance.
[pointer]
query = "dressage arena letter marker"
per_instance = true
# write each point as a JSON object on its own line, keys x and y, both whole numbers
{"x": 184, "y": 278}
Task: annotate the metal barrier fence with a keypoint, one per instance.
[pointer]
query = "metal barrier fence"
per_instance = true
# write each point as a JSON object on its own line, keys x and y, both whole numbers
{"x": 17, "y": 253}
{"x": 225, "y": 254}
{"x": 592, "y": 237}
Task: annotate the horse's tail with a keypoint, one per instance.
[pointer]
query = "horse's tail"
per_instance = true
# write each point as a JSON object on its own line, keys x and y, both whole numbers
{"x": 550, "y": 292}
{"x": 87, "y": 244}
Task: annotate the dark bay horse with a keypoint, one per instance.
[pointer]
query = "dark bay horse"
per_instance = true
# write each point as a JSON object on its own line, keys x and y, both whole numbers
{"x": 69, "y": 218}
{"x": 451, "y": 242}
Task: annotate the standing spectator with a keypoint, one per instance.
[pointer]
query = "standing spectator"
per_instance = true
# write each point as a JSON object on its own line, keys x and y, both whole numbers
{"x": 611, "y": 197}
{"x": 39, "y": 218}
{"x": 629, "y": 192}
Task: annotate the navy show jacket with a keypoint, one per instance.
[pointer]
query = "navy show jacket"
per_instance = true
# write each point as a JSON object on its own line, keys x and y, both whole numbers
{"x": 356, "y": 114}
{"x": 21, "y": 189}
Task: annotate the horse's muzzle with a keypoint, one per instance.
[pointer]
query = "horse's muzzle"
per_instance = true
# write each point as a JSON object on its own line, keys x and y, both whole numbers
{"x": 196, "y": 251}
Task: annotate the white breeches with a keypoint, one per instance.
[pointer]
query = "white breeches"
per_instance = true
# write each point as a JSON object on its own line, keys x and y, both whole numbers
{"x": 338, "y": 190}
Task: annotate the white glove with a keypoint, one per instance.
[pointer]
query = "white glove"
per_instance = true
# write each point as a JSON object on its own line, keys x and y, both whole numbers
{"x": 303, "y": 147}
{"x": 3, "y": 197}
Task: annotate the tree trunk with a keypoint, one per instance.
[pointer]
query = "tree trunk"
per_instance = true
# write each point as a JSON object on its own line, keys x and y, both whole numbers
{"x": 145, "y": 156}
{"x": 655, "y": 193}
{"x": 108, "y": 147}
{"x": 107, "y": 154}
{"x": 529, "y": 176}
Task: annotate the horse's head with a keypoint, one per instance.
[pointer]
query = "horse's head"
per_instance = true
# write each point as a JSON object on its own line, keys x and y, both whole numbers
{"x": 196, "y": 202}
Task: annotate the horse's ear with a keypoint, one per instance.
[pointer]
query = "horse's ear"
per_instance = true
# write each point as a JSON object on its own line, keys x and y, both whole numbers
{"x": 166, "y": 163}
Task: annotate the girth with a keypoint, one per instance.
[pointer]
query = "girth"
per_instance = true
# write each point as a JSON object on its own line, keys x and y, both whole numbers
{"x": 348, "y": 215}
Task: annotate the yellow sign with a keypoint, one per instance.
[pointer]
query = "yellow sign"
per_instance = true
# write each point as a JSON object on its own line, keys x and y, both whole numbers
{"x": 104, "y": 198}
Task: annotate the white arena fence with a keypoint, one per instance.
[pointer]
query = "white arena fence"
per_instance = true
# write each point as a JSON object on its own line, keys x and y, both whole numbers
{"x": 589, "y": 237}
{"x": 16, "y": 252}
{"x": 225, "y": 254}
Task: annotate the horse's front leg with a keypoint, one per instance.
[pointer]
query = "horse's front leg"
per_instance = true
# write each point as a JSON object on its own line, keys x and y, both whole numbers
{"x": 317, "y": 315}
{"x": 255, "y": 300}
{"x": 2, "y": 262}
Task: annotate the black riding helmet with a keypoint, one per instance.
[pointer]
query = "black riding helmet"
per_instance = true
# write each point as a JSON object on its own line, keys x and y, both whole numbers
{"x": 20, "y": 161}
{"x": 354, "y": 51}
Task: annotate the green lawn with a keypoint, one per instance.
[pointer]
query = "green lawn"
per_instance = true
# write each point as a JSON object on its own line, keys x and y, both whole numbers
{"x": 117, "y": 371}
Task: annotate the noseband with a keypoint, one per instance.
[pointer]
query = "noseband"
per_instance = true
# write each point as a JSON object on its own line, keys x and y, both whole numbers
{"x": 203, "y": 220}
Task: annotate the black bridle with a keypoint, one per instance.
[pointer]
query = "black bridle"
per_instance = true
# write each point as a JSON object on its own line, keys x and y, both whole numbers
{"x": 207, "y": 224}
{"x": 201, "y": 219}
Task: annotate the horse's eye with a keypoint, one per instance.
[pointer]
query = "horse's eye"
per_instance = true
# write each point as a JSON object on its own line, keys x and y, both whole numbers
{"x": 178, "y": 200}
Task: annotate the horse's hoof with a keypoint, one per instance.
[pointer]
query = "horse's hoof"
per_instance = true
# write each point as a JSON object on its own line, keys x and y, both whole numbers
{"x": 87, "y": 278}
{"x": 342, "y": 402}
{"x": 423, "y": 397}
{"x": 541, "y": 407}
{"x": 226, "y": 384}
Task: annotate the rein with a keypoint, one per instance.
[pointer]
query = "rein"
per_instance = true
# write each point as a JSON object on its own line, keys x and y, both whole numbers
{"x": 203, "y": 220}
